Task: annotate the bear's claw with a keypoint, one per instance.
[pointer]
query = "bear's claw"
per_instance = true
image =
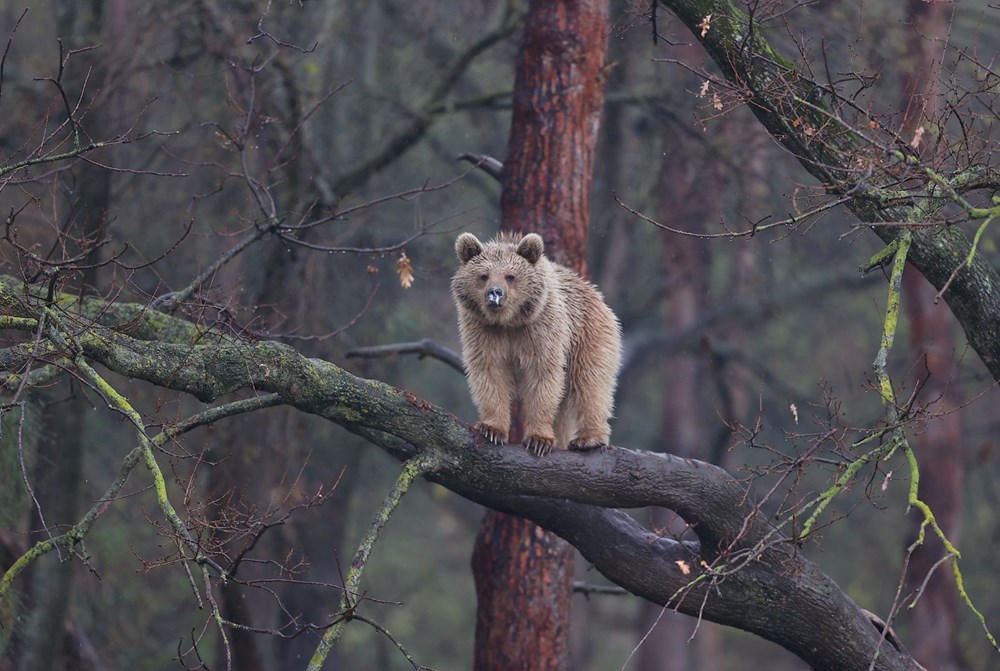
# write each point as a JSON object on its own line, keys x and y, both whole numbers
{"x": 495, "y": 436}
{"x": 538, "y": 446}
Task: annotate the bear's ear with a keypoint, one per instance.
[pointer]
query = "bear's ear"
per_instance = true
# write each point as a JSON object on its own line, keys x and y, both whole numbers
{"x": 531, "y": 247}
{"x": 468, "y": 247}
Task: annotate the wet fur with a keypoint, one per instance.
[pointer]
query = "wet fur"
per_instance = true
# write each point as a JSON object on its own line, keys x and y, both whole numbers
{"x": 554, "y": 344}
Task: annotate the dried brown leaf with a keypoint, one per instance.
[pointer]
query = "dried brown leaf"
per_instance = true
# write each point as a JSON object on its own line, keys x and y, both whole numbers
{"x": 405, "y": 271}
{"x": 705, "y": 24}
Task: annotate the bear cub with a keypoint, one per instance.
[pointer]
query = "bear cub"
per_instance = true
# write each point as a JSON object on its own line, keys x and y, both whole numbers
{"x": 535, "y": 331}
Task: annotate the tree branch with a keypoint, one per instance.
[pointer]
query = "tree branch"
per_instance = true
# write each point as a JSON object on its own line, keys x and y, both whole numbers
{"x": 422, "y": 348}
{"x": 789, "y": 106}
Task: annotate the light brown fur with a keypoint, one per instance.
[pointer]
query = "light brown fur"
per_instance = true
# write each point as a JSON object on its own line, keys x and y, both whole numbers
{"x": 548, "y": 340}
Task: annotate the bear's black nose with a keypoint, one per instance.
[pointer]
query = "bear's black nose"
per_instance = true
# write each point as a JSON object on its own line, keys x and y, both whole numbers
{"x": 494, "y": 297}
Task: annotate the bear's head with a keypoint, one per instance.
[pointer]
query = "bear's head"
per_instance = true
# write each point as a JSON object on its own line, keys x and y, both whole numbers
{"x": 503, "y": 281}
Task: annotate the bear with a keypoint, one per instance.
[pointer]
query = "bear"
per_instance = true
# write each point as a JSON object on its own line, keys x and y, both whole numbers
{"x": 535, "y": 331}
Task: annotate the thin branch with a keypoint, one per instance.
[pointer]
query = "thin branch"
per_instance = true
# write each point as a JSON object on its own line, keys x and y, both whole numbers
{"x": 395, "y": 641}
{"x": 487, "y": 164}
{"x": 430, "y": 110}
{"x": 411, "y": 471}
{"x": 423, "y": 347}
{"x": 79, "y": 530}
{"x": 10, "y": 41}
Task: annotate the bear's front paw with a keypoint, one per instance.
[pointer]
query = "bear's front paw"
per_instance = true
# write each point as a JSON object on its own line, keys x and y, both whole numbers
{"x": 492, "y": 434}
{"x": 587, "y": 444}
{"x": 539, "y": 445}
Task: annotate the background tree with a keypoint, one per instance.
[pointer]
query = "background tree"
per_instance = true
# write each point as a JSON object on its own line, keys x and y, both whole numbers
{"x": 941, "y": 445}
{"x": 82, "y": 217}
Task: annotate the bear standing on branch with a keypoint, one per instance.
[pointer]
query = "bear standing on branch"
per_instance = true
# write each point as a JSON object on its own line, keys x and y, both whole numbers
{"x": 535, "y": 331}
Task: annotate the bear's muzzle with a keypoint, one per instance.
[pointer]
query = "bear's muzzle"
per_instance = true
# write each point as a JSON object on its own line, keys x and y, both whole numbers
{"x": 494, "y": 297}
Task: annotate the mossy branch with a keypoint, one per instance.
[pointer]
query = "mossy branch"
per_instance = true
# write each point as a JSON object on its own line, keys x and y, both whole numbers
{"x": 412, "y": 469}
{"x": 899, "y": 438}
{"x": 913, "y": 501}
{"x": 791, "y": 108}
{"x": 899, "y": 251}
{"x": 845, "y": 479}
{"x": 889, "y": 324}
{"x": 79, "y": 530}
{"x": 116, "y": 401}
{"x": 77, "y": 151}
{"x": 572, "y": 496}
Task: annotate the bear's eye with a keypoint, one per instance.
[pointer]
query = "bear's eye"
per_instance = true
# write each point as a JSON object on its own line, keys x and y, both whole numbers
{"x": 484, "y": 277}
{"x": 509, "y": 278}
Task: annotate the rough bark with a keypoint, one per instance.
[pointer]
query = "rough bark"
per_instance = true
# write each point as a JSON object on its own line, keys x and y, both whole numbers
{"x": 786, "y": 103}
{"x": 523, "y": 574}
{"x": 558, "y": 98}
{"x": 778, "y": 595}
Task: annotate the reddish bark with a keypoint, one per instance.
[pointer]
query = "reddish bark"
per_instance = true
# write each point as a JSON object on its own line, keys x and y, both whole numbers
{"x": 524, "y": 579}
{"x": 558, "y": 98}
{"x": 523, "y": 573}
{"x": 939, "y": 445}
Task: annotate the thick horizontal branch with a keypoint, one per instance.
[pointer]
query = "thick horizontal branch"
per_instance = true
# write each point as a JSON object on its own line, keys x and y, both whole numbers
{"x": 778, "y": 594}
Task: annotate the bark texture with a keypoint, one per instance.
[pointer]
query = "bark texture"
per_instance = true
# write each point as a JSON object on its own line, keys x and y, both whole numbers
{"x": 558, "y": 98}
{"x": 523, "y": 589}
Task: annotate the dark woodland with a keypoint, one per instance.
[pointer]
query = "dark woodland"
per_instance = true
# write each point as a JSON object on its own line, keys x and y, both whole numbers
{"x": 235, "y": 431}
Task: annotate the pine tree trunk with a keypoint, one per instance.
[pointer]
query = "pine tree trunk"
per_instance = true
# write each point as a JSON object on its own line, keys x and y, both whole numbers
{"x": 940, "y": 445}
{"x": 941, "y": 455}
{"x": 58, "y": 470}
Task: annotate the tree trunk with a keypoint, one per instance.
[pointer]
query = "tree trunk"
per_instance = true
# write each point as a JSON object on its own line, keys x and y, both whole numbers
{"x": 524, "y": 574}
{"x": 939, "y": 446}
{"x": 59, "y": 463}
{"x": 682, "y": 196}
{"x": 558, "y": 98}
{"x": 524, "y": 579}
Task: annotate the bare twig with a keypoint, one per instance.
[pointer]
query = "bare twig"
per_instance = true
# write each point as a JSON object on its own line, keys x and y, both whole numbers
{"x": 487, "y": 164}
{"x": 411, "y": 471}
{"x": 423, "y": 347}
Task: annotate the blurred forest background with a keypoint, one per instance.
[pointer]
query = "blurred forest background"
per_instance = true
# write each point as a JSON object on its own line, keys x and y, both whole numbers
{"x": 749, "y": 352}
